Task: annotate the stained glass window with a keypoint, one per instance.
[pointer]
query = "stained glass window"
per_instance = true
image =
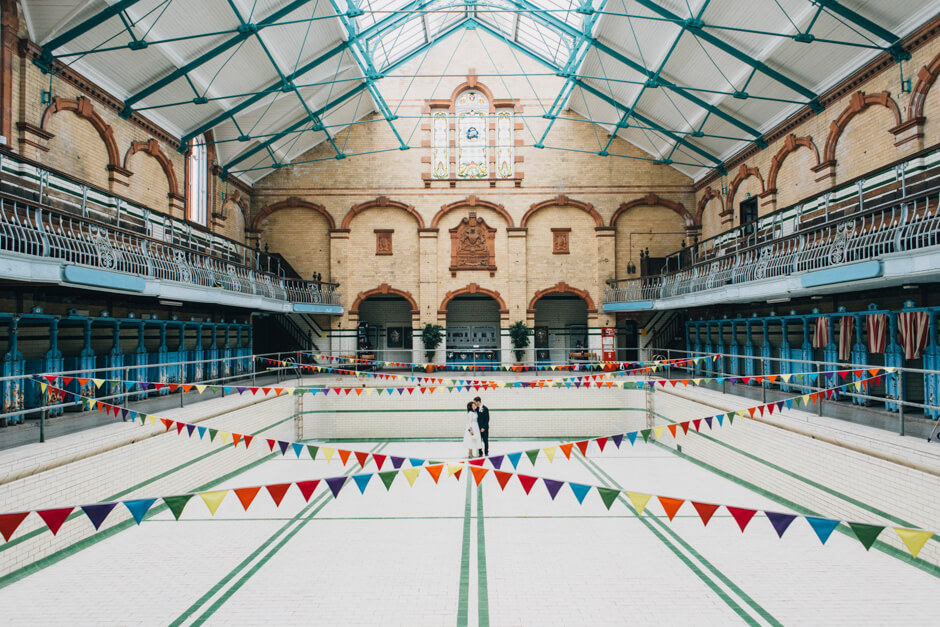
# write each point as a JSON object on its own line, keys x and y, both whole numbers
{"x": 504, "y": 145}
{"x": 440, "y": 144}
{"x": 472, "y": 111}
{"x": 198, "y": 185}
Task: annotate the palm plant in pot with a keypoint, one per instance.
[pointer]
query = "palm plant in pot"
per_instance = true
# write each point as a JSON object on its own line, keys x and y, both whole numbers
{"x": 431, "y": 336}
{"x": 519, "y": 336}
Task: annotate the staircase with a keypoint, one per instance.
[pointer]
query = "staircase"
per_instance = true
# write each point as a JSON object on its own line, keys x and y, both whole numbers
{"x": 664, "y": 331}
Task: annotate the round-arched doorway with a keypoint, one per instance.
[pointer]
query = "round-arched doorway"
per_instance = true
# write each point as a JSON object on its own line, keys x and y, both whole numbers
{"x": 472, "y": 330}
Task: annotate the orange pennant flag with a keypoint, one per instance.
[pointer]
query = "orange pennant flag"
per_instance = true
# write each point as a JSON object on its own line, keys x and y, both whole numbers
{"x": 343, "y": 455}
{"x": 566, "y": 449}
{"x": 247, "y": 495}
{"x": 670, "y": 505}
{"x": 478, "y": 473}
{"x": 435, "y": 471}
{"x": 236, "y": 438}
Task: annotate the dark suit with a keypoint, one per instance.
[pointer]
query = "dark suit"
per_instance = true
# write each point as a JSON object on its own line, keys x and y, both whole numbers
{"x": 483, "y": 420}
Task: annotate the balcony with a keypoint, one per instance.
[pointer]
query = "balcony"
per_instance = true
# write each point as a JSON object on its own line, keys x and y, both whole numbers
{"x": 879, "y": 232}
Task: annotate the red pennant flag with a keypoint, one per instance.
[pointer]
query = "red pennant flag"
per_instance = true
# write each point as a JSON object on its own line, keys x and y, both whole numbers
{"x": 566, "y": 449}
{"x": 698, "y": 423}
{"x": 582, "y": 445}
{"x": 307, "y": 487}
{"x": 247, "y": 495}
{"x": 435, "y": 471}
{"x": 478, "y": 473}
{"x": 271, "y": 445}
{"x": 172, "y": 387}
{"x": 601, "y": 442}
{"x": 248, "y": 439}
{"x": 362, "y": 458}
{"x": 179, "y": 427}
{"x": 457, "y": 474}
{"x": 685, "y": 427}
{"x": 66, "y": 380}
{"x": 705, "y": 511}
{"x": 156, "y": 386}
{"x": 477, "y": 462}
{"x": 9, "y": 523}
{"x": 741, "y": 516}
{"x": 277, "y": 492}
{"x": 379, "y": 459}
{"x": 166, "y": 423}
{"x": 55, "y": 517}
{"x": 236, "y": 438}
{"x": 670, "y": 505}
{"x": 343, "y": 455}
{"x": 527, "y": 482}
{"x": 265, "y": 391}
{"x": 253, "y": 390}
{"x": 503, "y": 477}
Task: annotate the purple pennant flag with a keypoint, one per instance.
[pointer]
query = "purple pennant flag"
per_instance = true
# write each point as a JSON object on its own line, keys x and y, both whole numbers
{"x": 780, "y": 405}
{"x": 283, "y": 446}
{"x": 190, "y": 428}
{"x": 780, "y": 521}
{"x": 240, "y": 389}
{"x": 144, "y": 385}
{"x": 98, "y": 512}
{"x": 617, "y": 439}
{"x": 124, "y": 413}
{"x": 553, "y": 486}
{"x": 397, "y": 461}
{"x": 497, "y": 461}
{"x": 708, "y": 421}
{"x": 336, "y": 484}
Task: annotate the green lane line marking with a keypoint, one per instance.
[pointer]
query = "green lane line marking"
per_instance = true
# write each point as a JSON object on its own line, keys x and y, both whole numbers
{"x": 724, "y": 596}
{"x": 483, "y": 598}
{"x": 463, "y": 598}
{"x": 78, "y": 513}
{"x": 316, "y": 505}
{"x": 884, "y": 547}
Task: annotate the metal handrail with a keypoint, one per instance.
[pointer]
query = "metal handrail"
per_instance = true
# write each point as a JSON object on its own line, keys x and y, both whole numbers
{"x": 901, "y": 225}
{"x": 29, "y": 229}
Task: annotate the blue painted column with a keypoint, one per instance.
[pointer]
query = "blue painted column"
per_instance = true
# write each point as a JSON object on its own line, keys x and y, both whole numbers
{"x": 213, "y": 353}
{"x": 831, "y": 349}
{"x": 894, "y": 356}
{"x": 805, "y": 352}
{"x": 750, "y": 364}
{"x": 197, "y": 370}
{"x": 721, "y": 365}
{"x": 932, "y": 362}
{"x": 54, "y": 363}
{"x": 13, "y": 366}
{"x": 697, "y": 366}
{"x": 859, "y": 354}
{"x": 226, "y": 354}
{"x": 86, "y": 361}
{"x": 734, "y": 364}
{"x": 114, "y": 360}
{"x": 784, "y": 354}
{"x": 139, "y": 358}
{"x": 767, "y": 366}
{"x": 159, "y": 360}
{"x": 708, "y": 347}
{"x": 242, "y": 350}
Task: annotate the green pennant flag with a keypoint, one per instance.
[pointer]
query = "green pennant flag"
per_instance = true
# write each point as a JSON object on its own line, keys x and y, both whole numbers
{"x": 608, "y": 495}
{"x": 313, "y": 450}
{"x": 533, "y": 454}
{"x": 212, "y": 434}
{"x": 730, "y": 418}
{"x": 214, "y": 388}
{"x": 177, "y": 503}
{"x": 866, "y": 534}
{"x": 646, "y": 435}
{"x": 388, "y": 477}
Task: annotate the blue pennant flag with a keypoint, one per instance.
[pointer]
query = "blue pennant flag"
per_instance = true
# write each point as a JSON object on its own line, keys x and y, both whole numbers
{"x": 632, "y": 436}
{"x": 822, "y": 526}
{"x": 138, "y": 508}
{"x": 362, "y": 481}
{"x": 202, "y": 431}
{"x": 130, "y": 384}
{"x": 416, "y": 462}
{"x": 297, "y": 448}
{"x": 580, "y": 491}
{"x": 721, "y": 419}
{"x": 514, "y": 459}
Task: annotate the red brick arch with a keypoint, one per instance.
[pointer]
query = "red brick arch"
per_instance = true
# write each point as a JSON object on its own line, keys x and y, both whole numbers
{"x": 385, "y": 288}
{"x": 744, "y": 172}
{"x": 652, "y": 200}
{"x": 563, "y": 288}
{"x": 703, "y": 203}
{"x": 473, "y": 288}
{"x": 290, "y": 203}
{"x": 791, "y": 144}
{"x": 83, "y": 108}
{"x": 563, "y": 201}
{"x": 857, "y": 103}
{"x": 381, "y": 201}
{"x": 926, "y": 77}
{"x": 152, "y": 148}
{"x": 472, "y": 201}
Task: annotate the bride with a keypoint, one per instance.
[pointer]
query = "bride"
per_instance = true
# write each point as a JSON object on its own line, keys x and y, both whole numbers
{"x": 471, "y": 437}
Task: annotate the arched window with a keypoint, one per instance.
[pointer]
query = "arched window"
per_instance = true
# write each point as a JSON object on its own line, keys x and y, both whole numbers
{"x": 472, "y": 111}
{"x": 440, "y": 144}
{"x": 197, "y": 182}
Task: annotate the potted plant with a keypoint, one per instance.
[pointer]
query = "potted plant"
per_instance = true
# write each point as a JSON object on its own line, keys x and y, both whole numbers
{"x": 519, "y": 336}
{"x": 431, "y": 336}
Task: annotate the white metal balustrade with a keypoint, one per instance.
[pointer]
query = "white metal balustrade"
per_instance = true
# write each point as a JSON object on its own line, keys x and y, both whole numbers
{"x": 34, "y": 231}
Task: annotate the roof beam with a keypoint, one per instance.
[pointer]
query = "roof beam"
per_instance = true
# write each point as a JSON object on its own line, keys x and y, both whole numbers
{"x": 697, "y": 29}
{"x": 245, "y": 32}
{"x": 45, "y": 59}
{"x": 897, "y": 52}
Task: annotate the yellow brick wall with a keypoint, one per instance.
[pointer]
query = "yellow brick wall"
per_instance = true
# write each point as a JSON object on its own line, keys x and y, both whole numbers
{"x": 366, "y": 270}
{"x": 711, "y": 219}
{"x": 149, "y": 184}
{"x": 579, "y": 267}
{"x": 300, "y": 235}
{"x": 657, "y": 228}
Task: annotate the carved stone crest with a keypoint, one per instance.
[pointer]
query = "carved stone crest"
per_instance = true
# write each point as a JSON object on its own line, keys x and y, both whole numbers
{"x": 472, "y": 245}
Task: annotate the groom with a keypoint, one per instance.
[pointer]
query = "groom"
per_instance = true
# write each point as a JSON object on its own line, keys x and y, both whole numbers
{"x": 483, "y": 420}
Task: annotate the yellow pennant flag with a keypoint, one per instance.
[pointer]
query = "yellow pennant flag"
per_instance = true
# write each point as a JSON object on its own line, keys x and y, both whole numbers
{"x": 453, "y": 468}
{"x": 914, "y": 539}
{"x": 411, "y": 474}
{"x": 785, "y": 377}
{"x": 858, "y": 386}
{"x": 890, "y": 369}
{"x": 329, "y": 452}
{"x": 200, "y": 388}
{"x": 639, "y": 501}
{"x": 659, "y": 432}
{"x": 696, "y": 381}
{"x": 153, "y": 419}
{"x": 42, "y": 386}
{"x": 213, "y": 499}
{"x": 224, "y": 435}
{"x": 549, "y": 453}
{"x": 91, "y": 403}
{"x": 98, "y": 382}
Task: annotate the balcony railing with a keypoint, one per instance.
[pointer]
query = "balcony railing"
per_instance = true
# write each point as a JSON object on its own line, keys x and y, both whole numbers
{"x": 31, "y": 230}
{"x": 909, "y": 223}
